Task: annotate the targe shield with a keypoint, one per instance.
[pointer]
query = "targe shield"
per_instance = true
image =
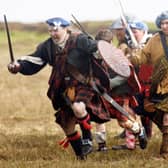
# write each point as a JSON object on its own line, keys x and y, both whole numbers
{"x": 114, "y": 58}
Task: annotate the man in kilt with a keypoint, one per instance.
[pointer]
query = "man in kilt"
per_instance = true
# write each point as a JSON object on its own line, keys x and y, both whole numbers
{"x": 71, "y": 56}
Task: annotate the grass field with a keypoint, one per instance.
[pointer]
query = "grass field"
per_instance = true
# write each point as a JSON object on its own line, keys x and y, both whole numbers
{"x": 28, "y": 134}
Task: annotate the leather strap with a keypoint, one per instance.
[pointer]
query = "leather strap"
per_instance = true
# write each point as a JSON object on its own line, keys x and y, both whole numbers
{"x": 164, "y": 43}
{"x": 77, "y": 75}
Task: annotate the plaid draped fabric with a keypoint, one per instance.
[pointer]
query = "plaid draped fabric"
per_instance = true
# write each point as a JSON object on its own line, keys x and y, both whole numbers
{"x": 56, "y": 83}
{"x": 114, "y": 113}
{"x": 98, "y": 107}
{"x": 94, "y": 103}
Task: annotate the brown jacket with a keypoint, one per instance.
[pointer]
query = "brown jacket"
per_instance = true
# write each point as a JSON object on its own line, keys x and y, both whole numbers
{"x": 151, "y": 53}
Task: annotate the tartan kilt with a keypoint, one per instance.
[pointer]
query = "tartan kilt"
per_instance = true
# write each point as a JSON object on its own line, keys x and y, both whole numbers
{"x": 95, "y": 106}
{"x": 99, "y": 109}
{"x": 114, "y": 113}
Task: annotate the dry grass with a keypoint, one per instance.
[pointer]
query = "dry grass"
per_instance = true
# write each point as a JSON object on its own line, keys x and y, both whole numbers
{"x": 28, "y": 135}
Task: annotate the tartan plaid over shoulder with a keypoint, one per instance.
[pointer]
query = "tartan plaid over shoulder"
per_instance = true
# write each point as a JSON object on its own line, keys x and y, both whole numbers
{"x": 56, "y": 81}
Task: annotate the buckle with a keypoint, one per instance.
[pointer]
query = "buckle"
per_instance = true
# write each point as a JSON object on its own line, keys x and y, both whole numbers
{"x": 67, "y": 78}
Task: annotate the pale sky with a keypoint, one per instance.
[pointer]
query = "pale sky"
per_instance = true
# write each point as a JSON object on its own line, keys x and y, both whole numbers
{"x": 39, "y": 10}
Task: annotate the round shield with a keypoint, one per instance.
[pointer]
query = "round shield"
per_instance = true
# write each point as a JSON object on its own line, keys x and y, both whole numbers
{"x": 114, "y": 58}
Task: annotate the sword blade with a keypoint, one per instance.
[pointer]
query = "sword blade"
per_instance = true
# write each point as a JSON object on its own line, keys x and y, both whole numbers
{"x": 117, "y": 106}
{"x": 9, "y": 40}
{"x": 111, "y": 101}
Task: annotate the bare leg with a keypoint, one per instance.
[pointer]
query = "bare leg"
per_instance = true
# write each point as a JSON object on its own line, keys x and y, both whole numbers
{"x": 83, "y": 118}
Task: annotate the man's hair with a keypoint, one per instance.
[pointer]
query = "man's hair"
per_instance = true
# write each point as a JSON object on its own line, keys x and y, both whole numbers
{"x": 104, "y": 34}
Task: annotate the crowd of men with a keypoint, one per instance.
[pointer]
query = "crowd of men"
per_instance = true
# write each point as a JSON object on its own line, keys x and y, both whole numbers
{"x": 94, "y": 81}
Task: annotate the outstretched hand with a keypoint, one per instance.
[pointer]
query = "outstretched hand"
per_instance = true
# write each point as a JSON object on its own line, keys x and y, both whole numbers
{"x": 14, "y": 67}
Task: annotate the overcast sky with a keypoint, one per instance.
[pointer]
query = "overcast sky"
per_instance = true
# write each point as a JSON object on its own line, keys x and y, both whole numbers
{"x": 40, "y": 10}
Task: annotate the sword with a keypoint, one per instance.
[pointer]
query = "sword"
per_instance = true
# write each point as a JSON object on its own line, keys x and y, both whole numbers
{"x": 9, "y": 40}
{"x": 111, "y": 101}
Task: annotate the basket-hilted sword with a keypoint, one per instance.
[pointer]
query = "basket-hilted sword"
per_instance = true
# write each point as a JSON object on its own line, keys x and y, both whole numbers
{"x": 108, "y": 98}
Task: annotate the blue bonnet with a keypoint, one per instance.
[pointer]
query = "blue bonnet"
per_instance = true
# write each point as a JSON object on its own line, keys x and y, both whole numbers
{"x": 138, "y": 25}
{"x": 57, "y": 21}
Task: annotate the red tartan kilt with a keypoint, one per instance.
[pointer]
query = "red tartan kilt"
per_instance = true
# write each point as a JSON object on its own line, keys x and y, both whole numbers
{"x": 94, "y": 103}
{"x": 97, "y": 106}
{"x": 114, "y": 113}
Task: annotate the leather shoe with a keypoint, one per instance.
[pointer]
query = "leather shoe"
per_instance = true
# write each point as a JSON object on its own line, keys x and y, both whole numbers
{"x": 102, "y": 149}
{"x": 87, "y": 146}
{"x": 142, "y": 138}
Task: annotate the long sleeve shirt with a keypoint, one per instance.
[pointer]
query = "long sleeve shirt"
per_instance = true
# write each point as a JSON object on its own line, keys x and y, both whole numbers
{"x": 151, "y": 53}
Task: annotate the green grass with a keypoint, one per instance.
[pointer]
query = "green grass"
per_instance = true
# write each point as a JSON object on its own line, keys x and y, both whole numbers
{"x": 43, "y": 151}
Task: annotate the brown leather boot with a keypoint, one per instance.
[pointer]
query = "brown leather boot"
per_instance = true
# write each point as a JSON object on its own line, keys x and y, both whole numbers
{"x": 164, "y": 145}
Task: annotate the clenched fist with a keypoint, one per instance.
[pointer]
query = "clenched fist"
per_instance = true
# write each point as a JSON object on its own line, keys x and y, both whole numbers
{"x": 14, "y": 67}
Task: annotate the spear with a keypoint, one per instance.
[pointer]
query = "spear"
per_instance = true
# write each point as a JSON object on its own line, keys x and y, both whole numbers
{"x": 79, "y": 26}
{"x": 125, "y": 22}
